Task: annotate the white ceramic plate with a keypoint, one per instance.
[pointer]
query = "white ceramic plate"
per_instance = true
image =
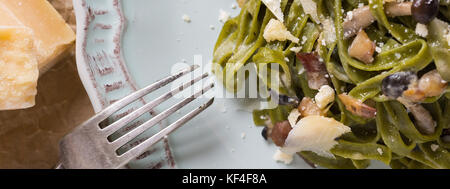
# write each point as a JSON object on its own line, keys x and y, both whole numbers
{"x": 124, "y": 45}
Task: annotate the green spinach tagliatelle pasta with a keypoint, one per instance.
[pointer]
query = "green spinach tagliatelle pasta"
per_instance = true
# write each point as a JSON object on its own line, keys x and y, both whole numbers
{"x": 391, "y": 137}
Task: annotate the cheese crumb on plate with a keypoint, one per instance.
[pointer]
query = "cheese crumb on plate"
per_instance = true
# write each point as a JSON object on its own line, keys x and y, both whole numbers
{"x": 186, "y": 18}
{"x": 285, "y": 158}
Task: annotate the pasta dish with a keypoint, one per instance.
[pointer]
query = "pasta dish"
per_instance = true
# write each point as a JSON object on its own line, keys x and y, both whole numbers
{"x": 360, "y": 80}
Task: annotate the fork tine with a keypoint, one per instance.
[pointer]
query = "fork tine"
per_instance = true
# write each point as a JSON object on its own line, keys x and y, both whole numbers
{"x": 141, "y": 148}
{"x": 149, "y": 106}
{"x": 158, "y": 118}
{"x": 142, "y": 92}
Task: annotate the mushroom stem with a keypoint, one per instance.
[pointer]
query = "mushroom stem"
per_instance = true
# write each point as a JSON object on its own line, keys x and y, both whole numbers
{"x": 356, "y": 20}
{"x": 424, "y": 121}
{"x": 398, "y": 9}
{"x": 362, "y": 17}
{"x": 362, "y": 48}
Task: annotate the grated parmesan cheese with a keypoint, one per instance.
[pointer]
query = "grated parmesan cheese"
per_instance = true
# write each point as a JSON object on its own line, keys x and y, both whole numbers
{"x": 378, "y": 49}
{"x": 434, "y": 147}
{"x": 325, "y": 96}
{"x": 223, "y": 16}
{"x": 421, "y": 30}
{"x": 296, "y": 49}
{"x": 329, "y": 31}
{"x": 380, "y": 151}
{"x": 349, "y": 16}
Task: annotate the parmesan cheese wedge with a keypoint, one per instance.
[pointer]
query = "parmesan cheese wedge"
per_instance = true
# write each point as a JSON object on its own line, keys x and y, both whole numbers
{"x": 310, "y": 7}
{"x": 275, "y": 7}
{"x": 53, "y": 37}
{"x": 276, "y": 31}
{"x": 316, "y": 134}
{"x": 18, "y": 68}
{"x": 33, "y": 37}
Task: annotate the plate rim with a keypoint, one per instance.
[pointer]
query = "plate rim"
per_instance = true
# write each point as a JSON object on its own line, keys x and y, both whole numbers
{"x": 84, "y": 15}
{"x": 96, "y": 89}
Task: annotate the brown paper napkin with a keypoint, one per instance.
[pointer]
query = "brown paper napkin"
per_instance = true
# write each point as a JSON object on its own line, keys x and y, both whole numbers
{"x": 29, "y": 138}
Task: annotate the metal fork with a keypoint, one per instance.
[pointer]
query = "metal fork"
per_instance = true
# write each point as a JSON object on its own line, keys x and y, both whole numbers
{"x": 87, "y": 146}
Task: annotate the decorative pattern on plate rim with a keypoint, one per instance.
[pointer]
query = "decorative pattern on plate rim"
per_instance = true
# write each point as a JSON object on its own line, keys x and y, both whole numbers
{"x": 102, "y": 69}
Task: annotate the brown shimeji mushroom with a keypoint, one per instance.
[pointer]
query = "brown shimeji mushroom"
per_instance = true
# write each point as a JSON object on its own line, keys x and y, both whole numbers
{"x": 362, "y": 48}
